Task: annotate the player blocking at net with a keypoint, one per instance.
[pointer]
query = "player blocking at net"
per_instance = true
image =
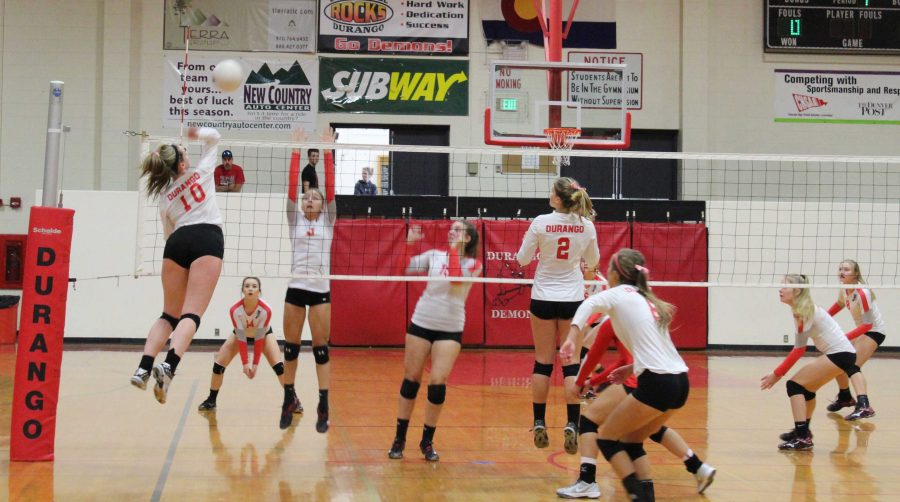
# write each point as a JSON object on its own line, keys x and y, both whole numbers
{"x": 192, "y": 258}
{"x": 250, "y": 317}
{"x": 311, "y": 221}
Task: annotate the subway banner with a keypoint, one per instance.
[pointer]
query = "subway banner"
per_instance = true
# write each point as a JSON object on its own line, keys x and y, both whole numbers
{"x": 276, "y": 93}
{"x": 409, "y": 27}
{"x": 43, "y": 319}
{"x": 248, "y": 25}
{"x": 837, "y": 97}
{"x": 394, "y": 86}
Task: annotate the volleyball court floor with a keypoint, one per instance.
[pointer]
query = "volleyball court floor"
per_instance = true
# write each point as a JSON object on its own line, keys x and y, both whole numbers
{"x": 114, "y": 442}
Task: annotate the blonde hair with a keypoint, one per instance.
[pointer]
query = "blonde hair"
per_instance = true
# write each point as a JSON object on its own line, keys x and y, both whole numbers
{"x": 575, "y": 199}
{"x": 803, "y": 307}
{"x": 160, "y": 167}
{"x": 629, "y": 264}
{"x": 857, "y": 272}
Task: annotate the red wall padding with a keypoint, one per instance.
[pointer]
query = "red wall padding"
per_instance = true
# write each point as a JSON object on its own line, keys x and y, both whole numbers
{"x": 506, "y": 305}
{"x": 677, "y": 252}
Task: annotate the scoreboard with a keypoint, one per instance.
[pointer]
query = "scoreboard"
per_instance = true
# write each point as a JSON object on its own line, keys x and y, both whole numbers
{"x": 833, "y": 26}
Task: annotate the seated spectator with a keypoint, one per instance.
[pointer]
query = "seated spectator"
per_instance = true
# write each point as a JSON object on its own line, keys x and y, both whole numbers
{"x": 229, "y": 176}
{"x": 365, "y": 186}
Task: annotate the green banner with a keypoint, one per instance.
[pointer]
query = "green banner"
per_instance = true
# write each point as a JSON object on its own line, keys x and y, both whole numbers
{"x": 394, "y": 86}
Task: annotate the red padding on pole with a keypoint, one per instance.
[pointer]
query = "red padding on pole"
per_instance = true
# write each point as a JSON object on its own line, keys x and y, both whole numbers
{"x": 39, "y": 356}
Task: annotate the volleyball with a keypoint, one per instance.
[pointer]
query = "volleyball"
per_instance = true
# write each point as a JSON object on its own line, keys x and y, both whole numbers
{"x": 228, "y": 75}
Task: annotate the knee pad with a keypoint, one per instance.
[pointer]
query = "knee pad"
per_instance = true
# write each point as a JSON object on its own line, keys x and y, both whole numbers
{"x": 278, "y": 369}
{"x": 320, "y": 354}
{"x": 586, "y": 425}
{"x": 437, "y": 393}
{"x": 634, "y": 450}
{"x": 409, "y": 389}
{"x": 852, "y": 371}
{"x": 291, "y": 351}
{"x": 543, "y": 369}
{"x": 609, "y": 448}
{"x": 193, "y": 317}
{"x": 169, "y": 319}
{"x": 794, "y": 388}
{"x": 570, "y": 370}
{"x": 658, "y": 435}
{"x": 218, "y": 369}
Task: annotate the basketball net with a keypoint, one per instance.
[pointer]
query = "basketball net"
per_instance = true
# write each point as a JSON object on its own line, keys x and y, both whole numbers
{"x": 561, "y": 140}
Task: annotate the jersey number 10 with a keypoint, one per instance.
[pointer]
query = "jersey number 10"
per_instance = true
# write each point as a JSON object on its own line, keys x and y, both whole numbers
{"x": 197, "y": 194}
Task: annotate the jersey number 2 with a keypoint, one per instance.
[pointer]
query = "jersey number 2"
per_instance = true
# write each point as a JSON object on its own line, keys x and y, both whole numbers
{"x": 197, "y": 194}
{"x": 562, "y": 249}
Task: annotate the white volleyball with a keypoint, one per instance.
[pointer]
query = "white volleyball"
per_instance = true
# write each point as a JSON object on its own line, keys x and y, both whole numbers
{"x": 228, "y": 75}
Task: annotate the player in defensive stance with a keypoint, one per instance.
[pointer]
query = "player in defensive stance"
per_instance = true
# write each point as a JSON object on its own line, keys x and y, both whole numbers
{"x": 435, "y": 330}
{"x": 564, "y": 238}
{"x": 838, "y": 356}
{"x": 641, "y": 322}
{"x": 860, "y": 301}
{"x": 192, "y": 258}
{"x": 608, "y": 396}
{"x": 312, "y": 228}
{"x": 250, "y": 317}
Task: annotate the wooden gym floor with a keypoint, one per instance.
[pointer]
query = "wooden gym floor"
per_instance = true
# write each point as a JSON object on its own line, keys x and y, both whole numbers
{"x": 114, "y": 442}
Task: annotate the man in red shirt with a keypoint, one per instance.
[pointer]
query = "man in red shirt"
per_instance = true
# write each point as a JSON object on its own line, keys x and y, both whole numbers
{"x": 229, "y": 176}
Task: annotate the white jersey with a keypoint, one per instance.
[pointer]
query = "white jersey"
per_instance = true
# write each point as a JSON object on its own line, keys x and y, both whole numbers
{"x": 190, "y": 199}
{"x": 442, "y": 306}
{"x": 562, "y": 239}
{"x": 825, "y": 332}
{"x": 863, "y": 308}
{"x": 311, "y": 242}
{"x": 634, "y": 320}
{"x": 252, "y": 325}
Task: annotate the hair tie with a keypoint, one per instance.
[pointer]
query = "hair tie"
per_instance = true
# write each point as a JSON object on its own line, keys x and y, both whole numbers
{"x": 642, "y": 269}
{"x": 576, "y": 186}
{"x": 155, "y": 154}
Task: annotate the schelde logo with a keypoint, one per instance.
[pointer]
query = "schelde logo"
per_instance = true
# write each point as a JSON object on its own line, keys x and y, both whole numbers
{"x": 804, "y": 102}
{"x": 50, "y": 231}
{"x": 361, "y": 16}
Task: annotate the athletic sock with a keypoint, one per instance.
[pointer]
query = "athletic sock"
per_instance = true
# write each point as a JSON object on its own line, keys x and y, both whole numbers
{"x": 146, "y": 363}
{"x": 862, "y": 400}
{"x": 588, "y": 470}
{"x": 289, "y": 393}
{"x": 172, "y": 359}
{"x": 845, "y": 394}
{"x": 539, "y": 410}
{"x": 213, "y": 394}
{"x": 573, "y": 411}
{"x": 323, "y": 399}
{"x": 692, "y": 462}
{"x": 802, "y": 429}
{"x": 428, "y": 434}
{"x": 402, "y": 427}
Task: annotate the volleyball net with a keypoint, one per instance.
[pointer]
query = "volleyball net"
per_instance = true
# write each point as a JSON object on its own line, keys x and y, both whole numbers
{"x": 736, "y": 219}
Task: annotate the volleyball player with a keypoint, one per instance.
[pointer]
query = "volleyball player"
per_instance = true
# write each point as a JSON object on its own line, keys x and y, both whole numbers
{"x": 608, "y": 396}
{"x": 641, "y": 322}
{"x": 250, "y": 317}
{"x": 838, "y": 356}
{"x": 564, "y": 238}
{"x": 192, "y": 258}
{"x": 435, "y": 330}
{"x": 312, "y": 228}
{"x": 860, "y": 301}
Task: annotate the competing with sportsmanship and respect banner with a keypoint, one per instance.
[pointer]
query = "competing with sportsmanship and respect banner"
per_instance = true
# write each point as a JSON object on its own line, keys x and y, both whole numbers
{"x": 277, "y": 94}
{"x": 841, "y": 97}
{"x": 247, "y": 25}
{"x": 411, "y": 27}
{"x": 394, "y": 86}
{"x": 43, "y": 319}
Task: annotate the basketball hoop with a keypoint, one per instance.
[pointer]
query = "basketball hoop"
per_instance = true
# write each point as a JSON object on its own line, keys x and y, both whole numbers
{"x": 562, "y": 139}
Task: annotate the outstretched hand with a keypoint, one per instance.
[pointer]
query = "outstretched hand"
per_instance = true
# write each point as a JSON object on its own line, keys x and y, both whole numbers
{"x": 567, "y": 351}
{"x": 768, "y": 381}
{"x": 619, "y": 375}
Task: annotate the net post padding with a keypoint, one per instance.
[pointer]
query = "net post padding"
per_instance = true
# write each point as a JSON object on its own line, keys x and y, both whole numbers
{"x": 561, "y": 140}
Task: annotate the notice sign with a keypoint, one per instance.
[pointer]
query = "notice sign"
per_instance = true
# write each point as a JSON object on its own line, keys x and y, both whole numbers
{"x": 413, "y": 27}
{"x": 604, "y": 89}
{"x": 841, "y": 97}
{"x": 276, "y": 94}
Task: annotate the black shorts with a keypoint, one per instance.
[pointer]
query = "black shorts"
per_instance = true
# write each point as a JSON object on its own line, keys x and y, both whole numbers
{"x": 303, "y": 298}
{"x": 433, "y": 335}
{"x": 628, "y": 389}
{"x": 662, "y": 391}
{"x": 878, "y": 337}
{"x": 846, "y": 361}
{"x": 194, "y": 241}
{"x": 547, "y": 310}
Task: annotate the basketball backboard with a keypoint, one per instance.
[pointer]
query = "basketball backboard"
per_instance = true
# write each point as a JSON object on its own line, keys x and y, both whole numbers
{"x": 522, "y": 101}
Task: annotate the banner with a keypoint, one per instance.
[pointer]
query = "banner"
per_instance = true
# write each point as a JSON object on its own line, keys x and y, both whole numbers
{"x": 410, "y": 27}
{"x": 839, "y": 97}
{"x": 248, "y": 25}
{"x": 39, "y": 353}
{"x": 607, "y": 94}
{"x": 394, "y": 86}
{"x": 277, "y": 94}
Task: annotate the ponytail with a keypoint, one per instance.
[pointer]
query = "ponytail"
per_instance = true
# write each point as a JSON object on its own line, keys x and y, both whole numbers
{"x": 160, "y": 167}
{"x": 803, "y": 307}
{"x": 471, "y": 249}
{"x": 574, "y": 198}
{"x": 858, "y": 273}
{"x": 629, "y": 264}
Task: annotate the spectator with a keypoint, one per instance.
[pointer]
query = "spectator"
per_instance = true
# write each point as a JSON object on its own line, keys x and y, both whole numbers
{"x": 364, "y": 186}
{"x": 309, "y": 177}
{"x": 229, "y": 176}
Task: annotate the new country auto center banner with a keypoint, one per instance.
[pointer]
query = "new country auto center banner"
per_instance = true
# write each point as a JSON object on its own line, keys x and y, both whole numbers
{"x": 411, "y": 27}
{"x": 840, "y": 97}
